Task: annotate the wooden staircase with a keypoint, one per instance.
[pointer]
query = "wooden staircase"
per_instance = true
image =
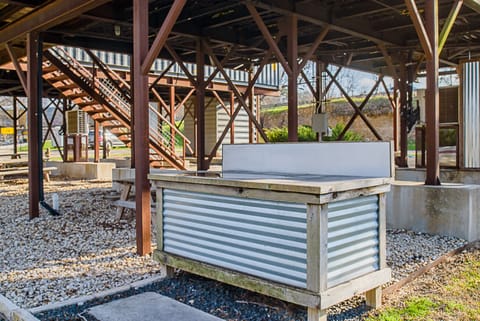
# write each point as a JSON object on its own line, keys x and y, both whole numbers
{"x": 108, "y": 101}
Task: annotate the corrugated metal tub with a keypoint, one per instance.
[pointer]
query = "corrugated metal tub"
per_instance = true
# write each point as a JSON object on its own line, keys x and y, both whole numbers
{"x": 310, "y": 240}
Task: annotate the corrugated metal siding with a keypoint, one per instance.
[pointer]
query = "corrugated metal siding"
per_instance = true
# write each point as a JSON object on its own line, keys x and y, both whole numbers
{"x": 471, "y": 113}
{"x": 352, "y": 239}
{"x": 262, "y": 238}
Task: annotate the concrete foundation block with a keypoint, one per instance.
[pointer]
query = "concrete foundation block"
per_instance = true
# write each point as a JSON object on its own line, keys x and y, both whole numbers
{"x": 84, "y": 170}
{"x": 449, "y": 209}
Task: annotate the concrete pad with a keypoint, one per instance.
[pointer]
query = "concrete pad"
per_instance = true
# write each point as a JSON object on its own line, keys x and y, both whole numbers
{"x": 148, "y": 306}
{"x": 449, "y": 209}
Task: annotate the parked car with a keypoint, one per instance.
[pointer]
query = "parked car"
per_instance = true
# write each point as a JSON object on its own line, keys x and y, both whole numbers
{"x": 111, "y": 139}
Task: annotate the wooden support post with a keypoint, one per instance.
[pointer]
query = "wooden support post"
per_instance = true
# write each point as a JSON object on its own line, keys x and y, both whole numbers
{"x": 172, "y": 117}
{"x": 34, "y": 118}
{"x": 200, "y": 107}
{"x": 15, "y": 124}
{"x": 317, "y": 247}
{"x": 292, "y": 53}
{"x": 64, "y": 124}
{"x": 319, "y": 67}
{"x": 432, "y": 97}
{"x": 373, "y": 297}
{"x": 251, "y": 105}
{"x": 140, "y": 98}
{"x": 96, "y": 147}
{"x": 232, "y": 126}
{"x": 169, "y": 271}
{"x": 132, "y": 115}
{"x": 402, "y": 161}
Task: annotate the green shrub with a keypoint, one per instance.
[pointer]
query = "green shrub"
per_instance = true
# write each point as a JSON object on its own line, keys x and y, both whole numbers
{"x": 276, "y": 135}
{"x": 350, "y": 136}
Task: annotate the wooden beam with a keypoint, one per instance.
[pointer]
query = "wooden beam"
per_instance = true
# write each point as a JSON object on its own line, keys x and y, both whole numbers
{"x": 419, "y": 27}
{"x": 47, "y": 16}
{"x": 178, "y": 60}
{"x": 162, "y": 34}
{"x": 268, "y": 38}
{"x": 473, "y": 4}
{"x": 390, "y": 66}
{"x": 184, "y": 100}
{"x": 448, "y": 25}
{"x": 18, "y": 69}
{"x": 163, "y": 73}
{"x": 314, "y": 47}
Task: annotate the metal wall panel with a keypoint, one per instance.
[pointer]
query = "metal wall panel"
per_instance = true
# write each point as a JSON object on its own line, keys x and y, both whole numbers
{"x": 353, "y": 248}
{"x": 471, "y": 113}
{"x": 262, "y": 238}
{"x": 268, "y": 239}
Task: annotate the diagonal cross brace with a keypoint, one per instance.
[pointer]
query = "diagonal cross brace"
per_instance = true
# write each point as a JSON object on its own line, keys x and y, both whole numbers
{"x": 354, "y": 106}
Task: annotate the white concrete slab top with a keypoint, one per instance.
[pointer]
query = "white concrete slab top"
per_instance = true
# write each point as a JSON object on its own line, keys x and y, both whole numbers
{"x": 148, "y": 306}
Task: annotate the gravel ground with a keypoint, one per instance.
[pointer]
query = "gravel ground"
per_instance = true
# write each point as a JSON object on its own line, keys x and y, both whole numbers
{"x": 52, "y": 259}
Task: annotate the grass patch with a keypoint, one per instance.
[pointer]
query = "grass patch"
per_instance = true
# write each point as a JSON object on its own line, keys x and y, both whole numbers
{"x": 282, "y": 109}
{"x": 415, "y": 308}
{"x": 450, "y": 292}
{"x": 48, "y": 144}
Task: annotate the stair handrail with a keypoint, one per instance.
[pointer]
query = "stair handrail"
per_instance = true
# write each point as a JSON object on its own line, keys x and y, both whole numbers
{"x": 113, "y": 95}
{"x": 106, "y": 69}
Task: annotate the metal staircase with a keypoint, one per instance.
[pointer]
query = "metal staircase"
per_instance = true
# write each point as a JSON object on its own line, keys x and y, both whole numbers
{"x": 107, "y": 99}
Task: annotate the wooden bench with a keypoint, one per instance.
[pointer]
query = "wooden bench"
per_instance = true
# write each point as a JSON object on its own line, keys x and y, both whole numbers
{"x": 125, "y": 200}
{"x": 14, "y": 155}
{"x": 24, "y": 170}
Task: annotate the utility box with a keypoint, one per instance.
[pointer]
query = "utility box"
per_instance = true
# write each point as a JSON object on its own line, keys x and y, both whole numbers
{"x": 77, "y": 136}
{"x": 320, "y": 124}
{"x": 77, "y": 122}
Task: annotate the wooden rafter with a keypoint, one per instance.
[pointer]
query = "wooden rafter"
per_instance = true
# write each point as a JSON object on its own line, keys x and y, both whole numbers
{"x": 313, "y": 47}
{"x": 162, "y": 35}
{"x": 448, "y": 25}
{"x": 419, "y": 27}
{"x": 268, "y": 38}
{"x": 21, "y": 75}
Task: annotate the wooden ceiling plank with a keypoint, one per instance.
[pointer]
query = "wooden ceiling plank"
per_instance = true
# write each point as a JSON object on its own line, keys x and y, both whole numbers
{"x": 50, "y": 15}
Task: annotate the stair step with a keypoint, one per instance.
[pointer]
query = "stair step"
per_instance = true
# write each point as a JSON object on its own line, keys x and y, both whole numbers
{"x": 59, "y": 78}
{"x": 103, "y": 120}
{"x": 94, "y": 109}
{"x": 83, "y": 103}
{"x": 66, "y": 87}
{"x": 49, "y": 69}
